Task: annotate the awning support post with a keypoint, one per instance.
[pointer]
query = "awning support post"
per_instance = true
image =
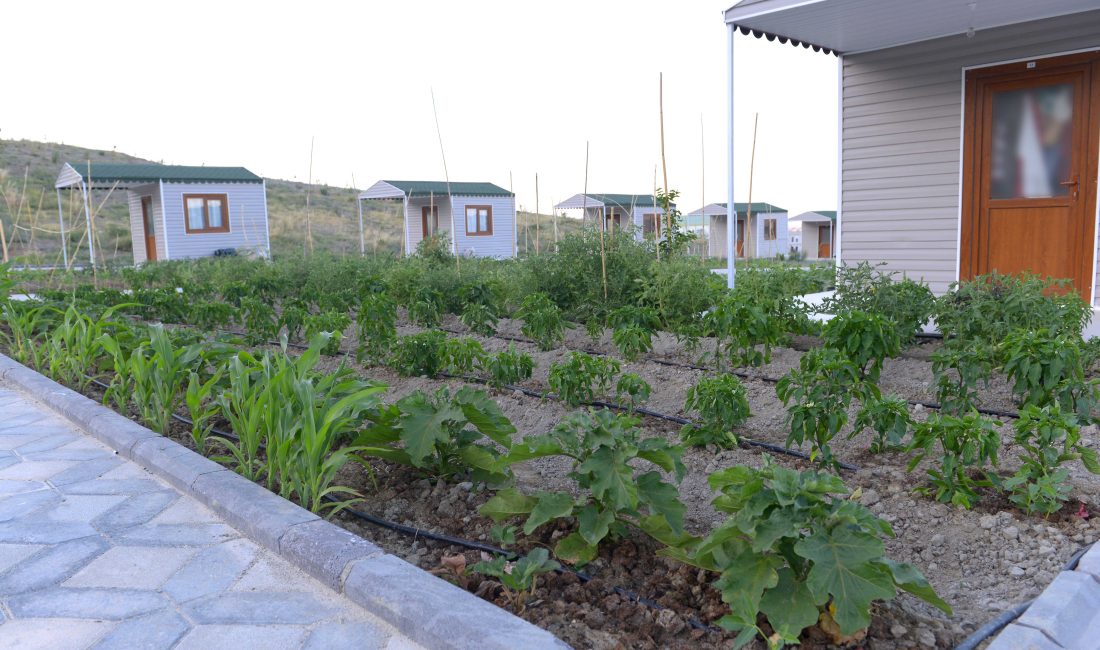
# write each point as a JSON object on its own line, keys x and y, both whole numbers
{"x": 88, "y": 221}
{"x": 61, "y": 224}
{"x": 731, "y": 207}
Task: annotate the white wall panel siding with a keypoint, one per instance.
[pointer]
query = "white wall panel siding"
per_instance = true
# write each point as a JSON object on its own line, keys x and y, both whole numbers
{"x": 416, "y": 218}
{"x": 499, "y": 244}
{"x": 902, "y": 115}
{"x": 766, "y": 249}
{"x": 247, "y": 220}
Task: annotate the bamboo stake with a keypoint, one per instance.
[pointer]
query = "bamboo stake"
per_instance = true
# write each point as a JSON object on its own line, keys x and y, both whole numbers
{"x": 4, "y": 241}
{"x": 656, "y": 217}
{"x": 664, "y": 166}
{"x": 703, "y": 188}
{"x": 603, "y": 246}
{"x": 750, "y": 250}
{"x": 309, "y": 190}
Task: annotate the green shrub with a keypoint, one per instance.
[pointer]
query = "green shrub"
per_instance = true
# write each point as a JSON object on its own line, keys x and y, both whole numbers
{"x": 542, "y": 321}
{"x": 463, "y": 355}
{"x": 633, "y": 329}
{"x": 631, "y": 390}
{"x": 376, "y": 327}
{"x": 722, "y": 405}
{"x": 866, "y": 339}
{"x": 1048, "y": 438}
{"x": 744, "y": 333}
{"x": 419, "y": 355}
{"x": 990, "y": 307}
{"x": 886, "y": 415}
{"x": 509, "y": 367}
{"x": 582, "y": 377}
{"x": 968, "y": 444}
{"x": 869, "y": 289}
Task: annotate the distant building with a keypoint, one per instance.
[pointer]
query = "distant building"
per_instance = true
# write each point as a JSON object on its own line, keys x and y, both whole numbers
{"x": 478, "y": 218}
{"x": 818, "y": 233}
{"x": 179, "y": 212}
{"x": 618, "y": 211}
{"x": 761, "y": 232}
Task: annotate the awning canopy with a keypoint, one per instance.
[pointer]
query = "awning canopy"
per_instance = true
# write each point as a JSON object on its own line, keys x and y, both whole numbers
{"x": 425, "y": 189}
{"x": 622, "y": 201}
{"x": 123, "y": 175}
{"x": 849, "y": 26}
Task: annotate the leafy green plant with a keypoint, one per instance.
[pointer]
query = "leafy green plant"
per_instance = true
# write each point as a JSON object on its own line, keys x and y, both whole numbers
{"x": 1038, "y": 361}
{"x": 989, "y": 307}
{"x": 243, "y": 404}
{"x": 520, "y": 577}
{"x": 722, "y": 405}
{"x": 631, "y": 390}
{"x": 542, "y": 321}
{"x": 1048, "y": 438}
{"x": 744, "y": 333}
{"x": 376, "y": 327}
{"x": 886, "y": 415}
{"x": 201, "y": 406}
{"x": 211, "y": 315}
{"x": 866, "y": 339}
{"x": 602, "y": 447}
{"x": 425, "y": 309}
{"x": 871, "y": 290}
{"x": 967, "y": 443}
{"x": 797, "y": 552}
{"x": 463, "y": 355}
{"x": 259, "y": 321}
{"x": 26, "y": 324}
{"x": 158, "y": 370}
{"x": 74, "y": 345}
{"x": 960, "y": 368}
{"x": 582, "y": 377}
{"x": 419, "y": 355}
{"x": 632, "y": 330}
{"x": 330, "y": 321}
{"x": 479, "y": 318}
{"x": 817, "y": 395}
{"x": 442, "y": 435}
{"x": 293, "y": 319}
{"x": 509, "y": 367}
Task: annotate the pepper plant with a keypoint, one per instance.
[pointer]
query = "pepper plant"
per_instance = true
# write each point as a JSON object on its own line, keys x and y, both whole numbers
{"x": 582, "y": 377}
{"x": 968, "y": 450}
{"x": 886, "y": 415}
{"x": 1038, "y": 361}
{"x": 508, "y": 367}
{"x": 542, "y": 321}
{"x": 1048, "y": 438}
{"x": 744, "y": 333}
{"x": 632, "y": 330}
{"x": 865, "y": 338}
{"x": 796, "y": 551}
{"x": 418, "y": 354}
{"x": 376, "y": 327}
{"x": 722, "y": 405}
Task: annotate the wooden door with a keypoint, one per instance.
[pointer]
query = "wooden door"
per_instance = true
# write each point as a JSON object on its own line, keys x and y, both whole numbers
{"x": 429, "y": 224}
{"x": 149, "y": 227}
{"x": 1029, "y": 169}
{"x": 740, "y": 238}
{"x": 825, "y": 241}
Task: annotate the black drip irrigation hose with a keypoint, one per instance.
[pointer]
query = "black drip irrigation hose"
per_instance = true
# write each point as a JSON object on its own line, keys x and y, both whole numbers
{"x": 419, "y": 533}
{"x": 1016, "y": 611}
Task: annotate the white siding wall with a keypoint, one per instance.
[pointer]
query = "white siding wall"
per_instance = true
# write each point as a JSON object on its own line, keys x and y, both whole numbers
{"x": 810, "y": 239}
{"x": 499, "y": 244}
{"x": 415, "y": 218}
{"x": 137, "y": 224}
{"x": 902, "y": 115}
{"x": 766, "y": 249}
{"x": 247, "y": 220}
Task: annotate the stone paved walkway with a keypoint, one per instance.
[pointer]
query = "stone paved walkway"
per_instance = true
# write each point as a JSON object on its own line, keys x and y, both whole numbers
{"x": 95, "y": 552}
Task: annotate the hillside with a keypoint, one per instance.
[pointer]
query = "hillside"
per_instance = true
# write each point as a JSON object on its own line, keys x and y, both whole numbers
{"x": 28, "y": 211}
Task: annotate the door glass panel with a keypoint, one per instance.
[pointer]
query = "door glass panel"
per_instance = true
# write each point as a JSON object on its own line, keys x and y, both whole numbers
{"x": 1031, "y": 142}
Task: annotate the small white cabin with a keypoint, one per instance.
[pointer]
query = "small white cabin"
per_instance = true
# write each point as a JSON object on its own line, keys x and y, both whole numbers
{"x": 180, "y": 212}
{"x": 618, "y": 211}
{"x": 761, "y": 231}
{"x": 817, "y": 233}
{"x": 478, "y": 218}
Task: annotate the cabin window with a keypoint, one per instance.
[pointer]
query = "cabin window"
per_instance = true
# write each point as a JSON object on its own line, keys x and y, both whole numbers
{"x": 769, "y": 229}
{"x": 429, "y": 225}
{"x": 206, "y": 213}
{"x": 479, "y": 220}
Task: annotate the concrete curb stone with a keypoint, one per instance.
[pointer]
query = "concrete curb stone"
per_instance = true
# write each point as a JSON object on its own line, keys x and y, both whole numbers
{"x": 425, "y": 608}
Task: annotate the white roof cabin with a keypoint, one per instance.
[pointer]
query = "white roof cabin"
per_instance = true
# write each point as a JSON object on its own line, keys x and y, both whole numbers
{"x": 478, "y": 218}
{"x": 636, "y": 211}
{"x": 762, "y": 234}
{"x": 817, "y": 233}
{"x": 176, "y": 211}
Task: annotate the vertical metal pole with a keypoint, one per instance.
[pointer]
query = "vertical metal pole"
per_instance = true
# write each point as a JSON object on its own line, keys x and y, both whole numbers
{"x": 731, "y": 208}
{"x": 88, "y": 222}
{"x": 362, "y": 240}
{"x": 61, "y": 223}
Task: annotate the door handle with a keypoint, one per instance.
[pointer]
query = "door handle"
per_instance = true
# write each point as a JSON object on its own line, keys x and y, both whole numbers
{"x": 1071, "y": 183}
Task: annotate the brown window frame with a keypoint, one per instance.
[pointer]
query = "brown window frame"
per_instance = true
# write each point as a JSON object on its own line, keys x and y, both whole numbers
{"x": 224, "y": 198}
{"x": 424, "y": 220}
{"x": 489, "y": 219}
{"x": 773, "y": 226}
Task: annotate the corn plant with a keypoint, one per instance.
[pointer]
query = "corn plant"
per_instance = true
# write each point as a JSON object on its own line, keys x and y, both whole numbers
{"x": 201, "y": 406}
{"x": 74, "y": 346}
{"x": 442, "y": 435}
{"x": 419, "y": 355}
{"x": 242, "y": 403}
{"x": 582, "y": 377}
{"x": 542, "y": 321}
{"x": 519, "y": 577}
{"x": 722, "y": 405}
{"x": 118, "y": 348}
{"x": 631, "y": 390}
{"x": 26, "y": 325}
{"x": 376, "y": 327}
{"x": 158, "y": 370}
{"x": 602, "y": 447}
{"x": 794, "y": 550}
{"x": 463, "y": 355}
{"x": 1048, "y": 438}
{"x": 509, "y": 367}
{"x": 633, "y": 329}
{"x": 968, "y": 444}
{"x": 817, "y": 395}
{"x": 866, "y": 339}
{"x": 886, "y": 415}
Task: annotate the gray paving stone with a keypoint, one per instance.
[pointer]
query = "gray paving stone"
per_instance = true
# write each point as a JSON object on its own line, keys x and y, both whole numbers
{"x": 1018, "y": 637}
{"x": 131, "y": 567}
{"x": 34, "y": 470}
{"x": 10, "y": 441}
{"x": 86, "y": 471}
{"x": 71, "y": 452}
{"x": 173, "y": 462}
{"x": 324, "y": 550}
{"x": 59, "y": 437}
{"x": 247, "y": 608}
{"x": 178, "y": 534}
{"x": 20, "y": 487}
{"x": 211, "y": 570}
{"x": 8, "y": 461}
{"x": 346, "y": 636}
{"x": 84, "y": 507}
{"x": 436, "y": 613}
{"x": 12, "y": 554}
{"x": 46, "y": 634}
{"x": 136, "y": 510}
{"x": 1057, "y": 611}
{"x": 14, "y": 507}
{"x": 237, "y": 637}
{"x": 1090, "y": 562}
{"x": 112, "y": 486}
{"x": 264, "y": 516}
{"x": 36, "y": 530}
{"x": 51, "y": 565}
{"x": 106, "y": 604}
{"x": 159, "y": 630}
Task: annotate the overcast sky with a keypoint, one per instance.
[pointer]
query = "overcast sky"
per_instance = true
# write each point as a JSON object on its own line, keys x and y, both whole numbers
{"x": 519, "y": 86}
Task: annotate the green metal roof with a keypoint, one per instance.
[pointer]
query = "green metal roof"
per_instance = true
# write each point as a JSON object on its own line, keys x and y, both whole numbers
{"x": 150, "y": 172}
{"x": 757, "y": 207}
{"x": 827, "y": 213}
{"x": 625, "y": 201}
{"x": 442, "y": 188}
